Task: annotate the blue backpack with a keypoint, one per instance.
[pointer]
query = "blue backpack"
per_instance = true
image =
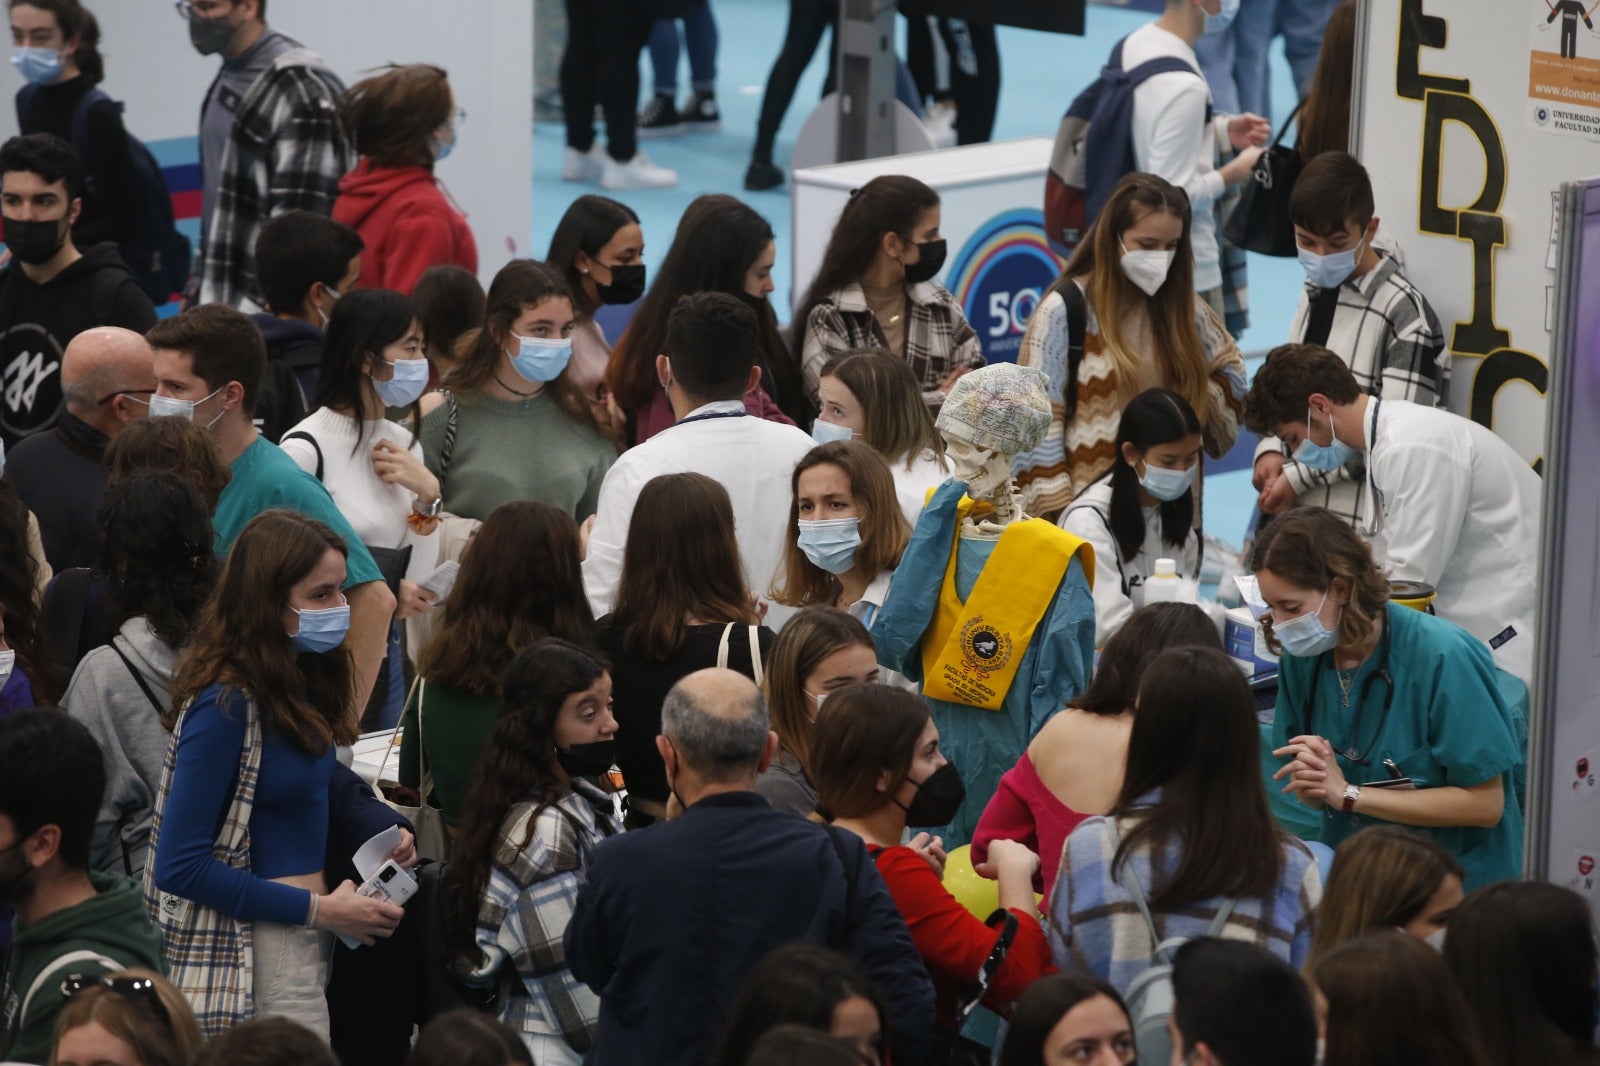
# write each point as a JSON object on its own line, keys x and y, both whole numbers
{"x": 154, "y": 252}
{"x": 1094, "y": 147}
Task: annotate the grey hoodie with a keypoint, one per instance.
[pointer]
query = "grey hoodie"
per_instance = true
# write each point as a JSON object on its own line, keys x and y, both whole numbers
{"x": 104, "y": 697}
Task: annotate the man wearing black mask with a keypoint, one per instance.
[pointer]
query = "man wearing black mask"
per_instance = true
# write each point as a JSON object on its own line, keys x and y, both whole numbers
{"x": 51, "y": 291}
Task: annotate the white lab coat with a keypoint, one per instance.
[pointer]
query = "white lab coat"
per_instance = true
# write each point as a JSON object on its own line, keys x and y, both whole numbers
{"x": 1458, "y": 508}
{"x": 753, "y": 459}
{"x": 1119, "y": 582}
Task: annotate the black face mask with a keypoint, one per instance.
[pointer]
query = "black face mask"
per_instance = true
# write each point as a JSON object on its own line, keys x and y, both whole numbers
{"x": 587, "y": 760}
{"x": 932, "y": 259}
{"x": 35, "y": 243}
{"x": 938, "y": 797}
{"x": 627, "y": 285}
{"x": 758, "y": 304}
{"x": 210, "y": 36}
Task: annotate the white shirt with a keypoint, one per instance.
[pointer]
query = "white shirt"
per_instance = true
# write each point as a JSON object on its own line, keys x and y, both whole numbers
{"x": 1172, "y": 140}
{"x": 1119, "y": 582}
{"x": 752, "y": 458}
{"x": 375, "y": 510}
{"x": 911, "y": 486}
{"x": 1459, "y": 509}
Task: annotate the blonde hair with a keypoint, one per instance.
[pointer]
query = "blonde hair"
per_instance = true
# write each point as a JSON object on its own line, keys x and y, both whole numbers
{"x": 898, "y": 426}
{"x": 1382, "y": 877}
{"x": 1312, "y": 548}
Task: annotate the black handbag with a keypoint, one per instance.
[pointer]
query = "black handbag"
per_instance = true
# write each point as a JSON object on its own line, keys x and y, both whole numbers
{"x": 1261, "y": 221}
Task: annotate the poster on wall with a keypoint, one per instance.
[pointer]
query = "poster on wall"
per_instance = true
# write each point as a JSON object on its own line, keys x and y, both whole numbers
{"x": 1564, "y": 67}
{"x": 1463, "y": 182}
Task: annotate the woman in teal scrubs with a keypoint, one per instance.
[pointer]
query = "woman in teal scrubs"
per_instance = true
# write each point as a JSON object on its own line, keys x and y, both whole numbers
{"x": 1371, "y": 692}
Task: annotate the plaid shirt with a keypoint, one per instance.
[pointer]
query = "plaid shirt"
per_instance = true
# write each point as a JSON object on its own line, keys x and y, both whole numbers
{"x": 287, "y": 150}
{"x": 1387, "y": 331}
{"x": 1095, "y": 927}
{"x": 1075, "y": 455}
{"x": 533, "y": 887}
{"x": 210, "y": 955}
{"x": 938, "y": 337}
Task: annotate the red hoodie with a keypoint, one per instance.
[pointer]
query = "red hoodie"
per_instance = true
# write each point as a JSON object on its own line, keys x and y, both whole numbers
{"x": 408, "y": 223}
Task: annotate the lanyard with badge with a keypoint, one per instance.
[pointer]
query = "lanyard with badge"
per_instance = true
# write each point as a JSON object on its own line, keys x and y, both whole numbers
{"x": 1378, "y": 514}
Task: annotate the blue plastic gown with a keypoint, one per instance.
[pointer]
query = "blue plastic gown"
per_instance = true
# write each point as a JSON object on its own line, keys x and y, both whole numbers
{"x": 1055, "y": 667}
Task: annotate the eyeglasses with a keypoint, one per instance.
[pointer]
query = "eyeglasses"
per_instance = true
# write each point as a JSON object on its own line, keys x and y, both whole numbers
{"x": 108, "y": 397}
{"x": 190, "y": 13}
{"x": 138, "y": 989}
{"x": 459, "y": 116}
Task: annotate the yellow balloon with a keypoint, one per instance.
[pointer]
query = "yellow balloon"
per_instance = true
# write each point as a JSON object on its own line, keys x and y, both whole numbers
{"x": 971, "y": 889}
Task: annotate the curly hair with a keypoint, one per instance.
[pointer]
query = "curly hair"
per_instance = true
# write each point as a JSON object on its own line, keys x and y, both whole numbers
{"x": 155, "y": 548}
{"x": 518, "y": 765}
{"x": 1286, "y": 381}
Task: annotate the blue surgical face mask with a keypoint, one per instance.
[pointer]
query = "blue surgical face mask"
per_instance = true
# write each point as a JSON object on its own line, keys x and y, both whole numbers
{"x": 164, "y": 406}
{"x": 1167, "y": 485}
{"x": 322, "y": 630}
{"x": 831, "y": 544}
{"x": 41, "y": 66}
{"x": 1332, "y": 270}
{"x": 407, "y": 385}
{"x": 826, "y": 432}
{"x": 1323, "y": 457}
{"x": 1306, "y": 636}
{"x": 1224, "y": 18}
{"x": 541, "y": 359}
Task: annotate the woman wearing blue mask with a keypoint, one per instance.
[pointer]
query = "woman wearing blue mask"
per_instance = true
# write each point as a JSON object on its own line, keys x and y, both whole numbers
{"x": 373, "y": 359}
{"x": 1144, "y": 509}
{"x": 510, "y": 423}
{"x": 1385, "y": 714}
{"x": 848, "y": 530}
{"x": 56, "y": 51}
{"x": 256, "y": 710}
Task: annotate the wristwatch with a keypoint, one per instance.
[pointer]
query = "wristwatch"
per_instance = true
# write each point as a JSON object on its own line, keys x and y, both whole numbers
{"x": 1351, "y": 794}
{"x": 429, "y": 510}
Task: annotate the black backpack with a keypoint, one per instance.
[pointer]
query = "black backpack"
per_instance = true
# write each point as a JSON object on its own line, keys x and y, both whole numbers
{"x": 155, "y": 253}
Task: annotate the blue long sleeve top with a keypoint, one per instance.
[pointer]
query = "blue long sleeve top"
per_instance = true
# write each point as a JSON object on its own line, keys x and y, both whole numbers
{"x": 288, "y": 822}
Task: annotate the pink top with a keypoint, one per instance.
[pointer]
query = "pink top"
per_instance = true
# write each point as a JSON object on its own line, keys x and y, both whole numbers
{"x": 1025, "y": 810}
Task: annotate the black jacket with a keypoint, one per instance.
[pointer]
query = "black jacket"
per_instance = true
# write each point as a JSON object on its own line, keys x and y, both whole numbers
{"x": 673, "y": 917}
{"x": 60, "y": 477}
{"x": 37, "y": 321}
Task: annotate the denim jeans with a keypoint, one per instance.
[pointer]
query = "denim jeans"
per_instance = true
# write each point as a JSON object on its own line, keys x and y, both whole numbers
{"x": 1237, "y": 61}
{"x": 700, "y": 35}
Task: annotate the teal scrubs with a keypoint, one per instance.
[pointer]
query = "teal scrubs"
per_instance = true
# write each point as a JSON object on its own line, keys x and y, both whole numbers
{"x": 1054, "y": 669}
{"x": 1449, "y": 725}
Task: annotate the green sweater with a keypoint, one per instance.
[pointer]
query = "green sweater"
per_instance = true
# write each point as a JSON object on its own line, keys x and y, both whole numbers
{"x": 113, "y": 928}
{"x": 516, "y": 450}
{"x": 455, "y": 727}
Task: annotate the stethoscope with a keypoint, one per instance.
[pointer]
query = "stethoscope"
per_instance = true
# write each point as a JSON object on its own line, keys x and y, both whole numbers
{"x": 1354, "y": 754}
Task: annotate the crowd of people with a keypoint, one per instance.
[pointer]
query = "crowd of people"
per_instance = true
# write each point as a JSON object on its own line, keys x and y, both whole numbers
{"x": 752, "y": 694}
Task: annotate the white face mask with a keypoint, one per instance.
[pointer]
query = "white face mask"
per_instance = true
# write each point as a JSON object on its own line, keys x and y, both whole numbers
{"x": 1147, "y": 268}
{"x": 8, "y": 662}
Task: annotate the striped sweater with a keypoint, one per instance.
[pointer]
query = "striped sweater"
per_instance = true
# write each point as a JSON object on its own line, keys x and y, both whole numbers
{"x": 1076, "y": 454}
{"x": 1095, "y": 927}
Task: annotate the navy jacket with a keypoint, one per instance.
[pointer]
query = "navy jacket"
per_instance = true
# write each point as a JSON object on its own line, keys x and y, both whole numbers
{"x": 674, "y": 916}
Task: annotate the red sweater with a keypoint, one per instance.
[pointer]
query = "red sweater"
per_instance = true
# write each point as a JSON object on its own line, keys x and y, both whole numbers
{"x": 953, "y": 943}
{"x": 408, "y": 223}
{"x": 1025, "y": 810}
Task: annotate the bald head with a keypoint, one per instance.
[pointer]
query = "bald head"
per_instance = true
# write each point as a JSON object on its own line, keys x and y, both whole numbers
{"x": 99, "y": 368}
{"x": 717, "y": 722}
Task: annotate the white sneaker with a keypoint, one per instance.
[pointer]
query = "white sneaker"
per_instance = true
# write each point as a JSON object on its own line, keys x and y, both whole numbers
{"x": 583, "y": 166}
{"x": 636, "y": 173}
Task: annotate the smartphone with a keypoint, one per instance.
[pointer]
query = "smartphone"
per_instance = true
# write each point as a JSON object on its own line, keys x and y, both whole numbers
{"x": 442, "y": 580}
{"x": 390, "y": 883}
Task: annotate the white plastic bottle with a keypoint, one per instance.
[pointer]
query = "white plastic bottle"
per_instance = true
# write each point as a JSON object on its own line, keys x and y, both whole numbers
{"x": 1163, "y": 586}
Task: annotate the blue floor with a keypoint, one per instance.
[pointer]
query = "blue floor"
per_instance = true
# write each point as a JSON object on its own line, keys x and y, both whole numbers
{"x": 1040, "y": 74}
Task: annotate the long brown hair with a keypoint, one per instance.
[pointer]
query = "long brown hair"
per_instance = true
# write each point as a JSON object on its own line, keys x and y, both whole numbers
{"x": 884, "y": 531}
{"x": 1312, "y": 548}
{"x": 718, "y": 239}
{"x": 682, "y": 563}
{"x": 157, "y": 1025}
{"x": 1149, "y": 631}
{"x": 1179, "y": 357}
{"x": 1392, "y": 1002}
{"x": 1195, "y": 738}
{"x": 889, "y": 203}
{"x": 1325, "y": 116}
{"x": 393, "y": 115}
{"x": 898, "y": 424}
{"x": 240, "y": 641}
{"x": 518, "y": 765}
{"x": 19, "y": 599}
{"x": 812, "y": 635}
{"x": 520, "y": 582}
{"x": 521, "y": 285}
{"x": 1382, "y": 877}
{"x": 862, "y": 732}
